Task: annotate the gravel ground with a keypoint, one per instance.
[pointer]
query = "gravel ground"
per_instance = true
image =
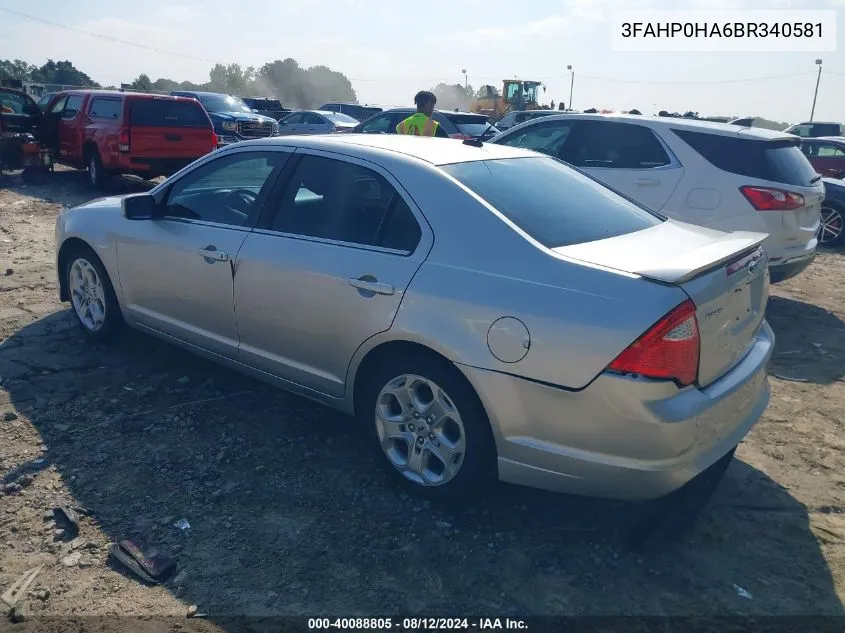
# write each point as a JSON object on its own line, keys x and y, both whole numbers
{"x": 289, "y": 515}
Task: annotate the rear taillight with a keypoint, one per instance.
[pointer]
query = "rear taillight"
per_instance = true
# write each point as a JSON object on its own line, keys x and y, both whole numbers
{"x": 214, "y": 140}
{"x": 461, "y": 137}
{"x": 123, "y": 140}
{"x": 767, "y": 199}
{"x": 668, "y": 351}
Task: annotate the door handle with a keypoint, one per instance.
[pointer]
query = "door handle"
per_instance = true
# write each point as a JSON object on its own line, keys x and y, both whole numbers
{"x": 371, "y": 285}
{"x": 647, "y": 182}
{"x": 211, "y": 252}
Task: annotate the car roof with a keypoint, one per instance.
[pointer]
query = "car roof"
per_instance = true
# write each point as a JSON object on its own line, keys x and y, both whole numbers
{"x": 436, "y": 151}
{"x": 816, "y": 123}
{"x": 836, "y": 139}
{"x": 118, "y": 93}
{"x": 204, "y": 93}
{"x": 693, "y": 125}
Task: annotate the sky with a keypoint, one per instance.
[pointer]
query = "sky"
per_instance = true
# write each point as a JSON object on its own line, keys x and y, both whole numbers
{"x": 391, "y": 49}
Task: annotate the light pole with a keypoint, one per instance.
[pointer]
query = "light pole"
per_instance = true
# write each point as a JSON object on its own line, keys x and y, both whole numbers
{"x": 818, "y": 78}
{"x": 466, "y": 82}
{"x": 571, "y": 84}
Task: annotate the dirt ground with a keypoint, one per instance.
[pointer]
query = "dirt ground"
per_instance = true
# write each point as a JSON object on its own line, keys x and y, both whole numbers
{"x": 289, "y": 515}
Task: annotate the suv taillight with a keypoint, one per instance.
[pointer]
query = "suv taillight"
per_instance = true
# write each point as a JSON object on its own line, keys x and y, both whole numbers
{"x": 669, "y": 350}
{"x": 123, "y": 140}
{"x": 214, "y": 141}
{"x": 768, "y": 199}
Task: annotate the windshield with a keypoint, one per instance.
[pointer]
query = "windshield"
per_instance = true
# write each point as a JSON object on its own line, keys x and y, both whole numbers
{"x": 223, "y": 103}
{"x": 471, "y": 124}
{"x": 554, "y": 204}
{"x": 263, "y": 104}
{"x": 337, "y": 117}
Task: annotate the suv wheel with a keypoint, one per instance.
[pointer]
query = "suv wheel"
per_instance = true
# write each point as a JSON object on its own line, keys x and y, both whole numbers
{"x": 832, "y": 229}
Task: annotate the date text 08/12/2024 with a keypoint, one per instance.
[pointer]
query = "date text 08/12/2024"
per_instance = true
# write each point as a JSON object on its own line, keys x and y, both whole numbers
{"x": 416, "y": 624}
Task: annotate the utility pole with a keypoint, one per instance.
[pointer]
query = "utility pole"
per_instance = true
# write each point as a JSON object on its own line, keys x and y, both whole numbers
{"x": 571, "y": 84}
{"x": 466, "y": 81}
{"x": 818, "y": 78}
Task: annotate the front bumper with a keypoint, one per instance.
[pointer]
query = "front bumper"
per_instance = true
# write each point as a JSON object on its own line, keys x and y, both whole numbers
{"x": 621, "y": 438}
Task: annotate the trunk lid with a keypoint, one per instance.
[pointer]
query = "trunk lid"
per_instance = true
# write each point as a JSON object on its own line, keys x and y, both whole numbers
{"x": 725, "y": 274}
{"x": 168, "y": 128}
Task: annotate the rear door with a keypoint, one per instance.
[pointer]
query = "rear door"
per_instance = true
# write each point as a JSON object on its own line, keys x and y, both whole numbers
{"x": 315, "y": 124}
{"x": 626, "y": 156}
{"x": 326, "y": 269}
{"x": 292, "y": 124}
{"x": 161, "y": 127}
{"x": 829, "y": 159}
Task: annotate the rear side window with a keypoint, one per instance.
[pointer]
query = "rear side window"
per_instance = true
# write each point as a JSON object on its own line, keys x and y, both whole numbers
{"x": 778, "y": 161}
{"x": 105, "y": 108}
{"x": 165, "y": 113}
{"x": 553, "y": 203}
{"x": 826, "y": 129}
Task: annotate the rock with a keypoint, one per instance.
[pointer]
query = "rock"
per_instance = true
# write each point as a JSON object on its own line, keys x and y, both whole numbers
{"x": 21, "y": 612}
{"x": 9, "y": 416}
{"x": 444, "y": 525}
{"x": 12, "y": 489}
{"x": 43, "y": 594}
{"x": 85, "y": 561}
{"x": 10, "y": 271}
{"x": 76, "y": 543}
{"x": 59, "y": 533}
{"x": 72, "y": 560}
{"x": 26, "y": 480}
{"x": 167, "y": 521}
{"x": 192, "y": 610}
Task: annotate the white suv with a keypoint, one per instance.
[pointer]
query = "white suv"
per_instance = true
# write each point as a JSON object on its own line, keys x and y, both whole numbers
{"x": 715, "y": 175}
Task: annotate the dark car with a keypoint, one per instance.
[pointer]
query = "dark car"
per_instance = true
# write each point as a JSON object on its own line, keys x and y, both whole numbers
{"x": 832, "y": 229}
{"x": 460, "y": 125}
{"x": 515, "y": 118}
{"x": 826, "y": 155}
{"x": 355, "y": 110}
{"x": 233, "y": 119}
{"x": 267, "y": 106}
{"x": 815, "y": 129}
{"x": 18, "y": 112}
{"x": 45, "y": 99}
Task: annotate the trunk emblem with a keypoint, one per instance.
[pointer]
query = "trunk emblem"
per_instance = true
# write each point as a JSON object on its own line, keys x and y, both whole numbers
{"x": 752, "y": 265}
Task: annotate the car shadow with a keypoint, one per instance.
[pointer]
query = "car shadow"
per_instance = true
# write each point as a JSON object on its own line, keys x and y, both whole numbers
{"x": 69, "y": 187}
{"x": 290, "y": 514}
{"x": 814, "y": 351}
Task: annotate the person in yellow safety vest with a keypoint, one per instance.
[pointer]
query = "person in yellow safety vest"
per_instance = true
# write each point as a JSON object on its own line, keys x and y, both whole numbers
{"x": 421, "y": 123}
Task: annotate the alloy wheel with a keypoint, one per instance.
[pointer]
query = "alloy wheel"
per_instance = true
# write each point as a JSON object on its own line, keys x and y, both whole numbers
{"x": 420, "y": 430}
{"x": 87, "y": 294}
{"x": 832, "y": 224}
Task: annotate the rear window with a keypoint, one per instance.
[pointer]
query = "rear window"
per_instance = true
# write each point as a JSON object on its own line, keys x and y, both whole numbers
{"x": 779, "y": 161}
{"x": 553, "y": 203}
{"x": 337, "y": 117}
{"x": 165, "y": 113}
{"x": 470, "y": 124}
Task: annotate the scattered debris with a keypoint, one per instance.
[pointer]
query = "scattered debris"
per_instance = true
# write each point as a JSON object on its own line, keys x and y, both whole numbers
{"x": 182, "y": 524}
{"x": 68, "y": 518}
{"x": 192, "y": 611}
{"x": 42, "y": 594}
{"x": 22, "y": 612}
{"x": 72, "y": 559}
{"x": 148, "y": 565}
{"x": 742, "y": 593}
{"x": 18, "y": 590}
{"x": 789, "y": 378}
{"x": 9, "y": 416}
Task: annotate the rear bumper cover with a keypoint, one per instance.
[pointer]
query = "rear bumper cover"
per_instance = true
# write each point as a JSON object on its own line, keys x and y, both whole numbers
{"x": 162, "y": 166}
{"x": 622, "y": 438}
{"x": 781, "y": 271}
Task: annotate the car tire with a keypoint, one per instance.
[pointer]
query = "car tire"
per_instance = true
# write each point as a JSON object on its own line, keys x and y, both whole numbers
{"x": 460, "y": 432}
{"x": 92, "y": 297}
{"x": 669, "y": 518}
{"x": 832, "y": 229}
{"x": 98, "y": 176}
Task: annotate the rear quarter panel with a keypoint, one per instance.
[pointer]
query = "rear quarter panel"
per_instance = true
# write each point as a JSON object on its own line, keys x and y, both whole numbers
{"x": 479, "y": 270}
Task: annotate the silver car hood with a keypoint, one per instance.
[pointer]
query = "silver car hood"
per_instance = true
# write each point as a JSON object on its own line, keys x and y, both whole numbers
{"x": 672, "y": 251}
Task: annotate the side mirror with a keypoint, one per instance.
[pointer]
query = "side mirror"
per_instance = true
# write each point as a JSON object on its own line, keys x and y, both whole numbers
{"x": 140, "y": 206}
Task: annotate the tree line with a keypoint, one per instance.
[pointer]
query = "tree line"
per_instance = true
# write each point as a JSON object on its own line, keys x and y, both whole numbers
{"x": 284, "y": 79}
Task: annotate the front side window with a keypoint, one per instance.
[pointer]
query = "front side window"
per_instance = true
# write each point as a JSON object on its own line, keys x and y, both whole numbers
{"x": 74, "y": 102}
{"x": 377, "y": 125}
{"x": 344, "y": 202}
{"x": 546, "y": 138}
{"x": 553, "y": 203}
{"x": 225, "y": 190}
{"x": 293, "y": 119}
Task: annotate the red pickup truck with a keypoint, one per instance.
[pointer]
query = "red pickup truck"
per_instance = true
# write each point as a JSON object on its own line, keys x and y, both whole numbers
{"x": 112, "y": 133}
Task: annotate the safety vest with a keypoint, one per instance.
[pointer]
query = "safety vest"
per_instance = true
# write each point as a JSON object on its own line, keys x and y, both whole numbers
{"x": 419, "y": 125}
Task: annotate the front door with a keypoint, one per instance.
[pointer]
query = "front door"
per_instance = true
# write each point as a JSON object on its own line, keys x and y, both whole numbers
{"x": 70, "y": 130}
{"x": 325, "y": 270}
{"x": 627, "y": 157}
{"x": 176, "y": 272}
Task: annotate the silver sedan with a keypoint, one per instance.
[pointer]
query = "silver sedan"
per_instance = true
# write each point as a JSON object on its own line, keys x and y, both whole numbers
{"x": 316, "y": 122}
{"x": 484, "y": 311}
